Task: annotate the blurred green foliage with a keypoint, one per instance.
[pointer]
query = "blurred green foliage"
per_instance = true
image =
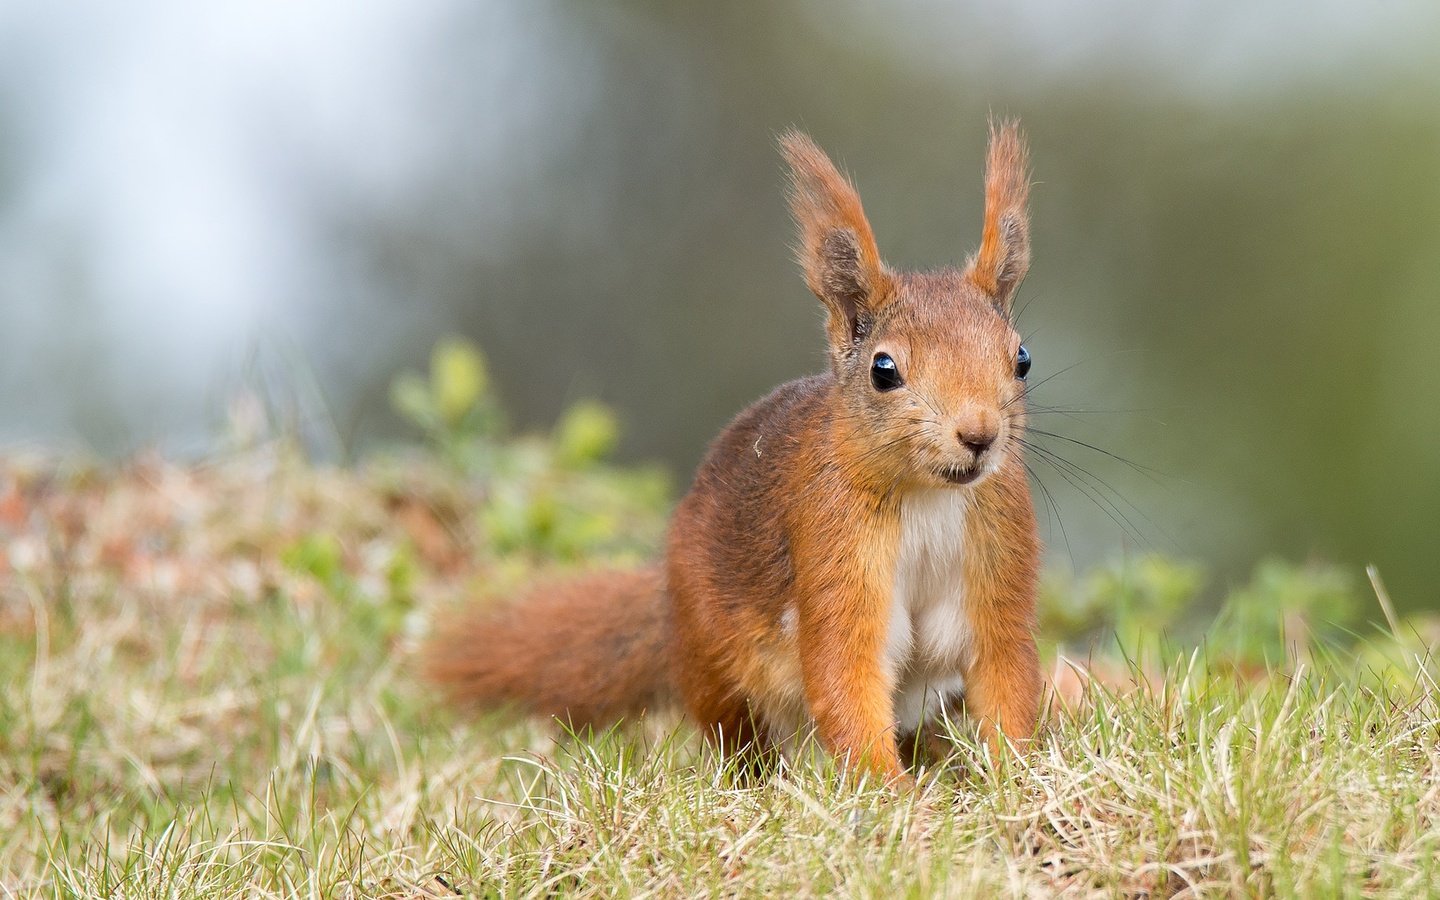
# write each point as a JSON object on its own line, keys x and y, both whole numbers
{"x": 319, "y": 556}
{"x": 1134, "y": 602}
{"x": 1150, "y": 607}
{"x": 1285, "y": 611}
{"x": 452, "y": 406}
{"x": 322, "y": 556}
{"x": 555, "y": 497}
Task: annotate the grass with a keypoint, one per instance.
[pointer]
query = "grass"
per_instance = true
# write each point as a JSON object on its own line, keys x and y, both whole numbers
{"x": 207, "y": 690}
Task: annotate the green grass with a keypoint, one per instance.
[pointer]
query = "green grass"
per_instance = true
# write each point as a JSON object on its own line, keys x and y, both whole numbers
{"x": 208, "y": 692}
{"x": 207, "y": 689}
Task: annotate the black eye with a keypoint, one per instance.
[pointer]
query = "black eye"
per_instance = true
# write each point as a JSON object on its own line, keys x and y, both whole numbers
{"x": 884, "y": 374}
{"x": 1022, "y": 363}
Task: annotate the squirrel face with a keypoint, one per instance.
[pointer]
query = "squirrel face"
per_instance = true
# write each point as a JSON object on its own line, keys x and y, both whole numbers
{"x": 928, "y": 369}
{"x": 935, "y": 386}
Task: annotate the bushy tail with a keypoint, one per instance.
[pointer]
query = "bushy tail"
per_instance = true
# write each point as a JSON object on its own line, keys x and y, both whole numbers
{"x": 589, "y": 650}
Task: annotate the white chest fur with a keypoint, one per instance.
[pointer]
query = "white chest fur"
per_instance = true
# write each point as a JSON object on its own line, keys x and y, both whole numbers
{"x": 929, "y": 636}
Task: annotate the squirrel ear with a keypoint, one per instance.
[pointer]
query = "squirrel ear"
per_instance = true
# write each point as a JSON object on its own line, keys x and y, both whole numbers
{"x": 836, "y": 248}
{"x": 1004, "y": 256}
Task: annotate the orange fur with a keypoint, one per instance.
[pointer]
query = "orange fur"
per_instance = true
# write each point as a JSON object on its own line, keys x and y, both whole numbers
{"x": 836, "y": 250}
{"x": 589, "y": 650}
{"x": 784, "y": 605}
{"x": 1003, "y": 683}
{"x": 1004, "y": 256}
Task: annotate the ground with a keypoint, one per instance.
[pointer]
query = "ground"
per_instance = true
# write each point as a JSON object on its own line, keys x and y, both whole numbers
{"x": 208, "y": 688}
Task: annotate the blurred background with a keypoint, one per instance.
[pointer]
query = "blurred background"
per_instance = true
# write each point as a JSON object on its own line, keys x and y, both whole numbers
{"x": 1236, "y": 223}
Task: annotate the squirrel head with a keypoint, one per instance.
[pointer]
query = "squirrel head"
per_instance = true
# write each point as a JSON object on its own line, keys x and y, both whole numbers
{"x": 929, "y": 371}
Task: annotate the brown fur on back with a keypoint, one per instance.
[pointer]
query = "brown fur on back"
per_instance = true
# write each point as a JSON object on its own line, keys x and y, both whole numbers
{"x": 589, "y": 650}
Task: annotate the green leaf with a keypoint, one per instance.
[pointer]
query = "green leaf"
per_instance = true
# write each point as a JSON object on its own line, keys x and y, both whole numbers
{"x": 585, "y": 435}
{"x": 457, "y": 379}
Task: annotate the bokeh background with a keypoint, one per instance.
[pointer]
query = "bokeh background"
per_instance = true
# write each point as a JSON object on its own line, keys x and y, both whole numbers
{"x": 1236, "y": 225}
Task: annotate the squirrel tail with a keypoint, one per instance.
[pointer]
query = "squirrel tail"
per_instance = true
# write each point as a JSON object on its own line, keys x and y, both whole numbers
{"x": 589, "y": 650}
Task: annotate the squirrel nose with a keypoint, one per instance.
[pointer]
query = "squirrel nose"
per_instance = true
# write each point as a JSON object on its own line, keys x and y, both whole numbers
{"x": 976, "y": 442}
{"x": 977, "y": 433}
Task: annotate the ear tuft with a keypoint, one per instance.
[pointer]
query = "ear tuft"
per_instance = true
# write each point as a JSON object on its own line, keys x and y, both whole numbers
{"x": 836, "y": 248}
{"x": 1004, "y": 256}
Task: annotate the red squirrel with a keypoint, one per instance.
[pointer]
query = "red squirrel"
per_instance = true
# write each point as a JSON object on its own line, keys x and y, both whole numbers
{"x": 858, "y": 550}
